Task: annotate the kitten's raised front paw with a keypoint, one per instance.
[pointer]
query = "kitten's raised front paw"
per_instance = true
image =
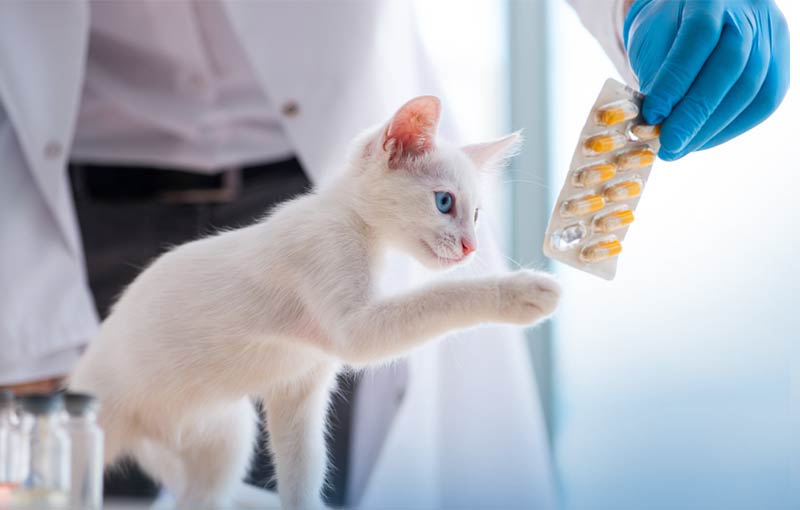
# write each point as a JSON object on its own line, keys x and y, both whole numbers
{"x": 527, "y": 296}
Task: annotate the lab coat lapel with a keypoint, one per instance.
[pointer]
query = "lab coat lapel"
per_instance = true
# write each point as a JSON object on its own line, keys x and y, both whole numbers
{"x": 40, "y": 90}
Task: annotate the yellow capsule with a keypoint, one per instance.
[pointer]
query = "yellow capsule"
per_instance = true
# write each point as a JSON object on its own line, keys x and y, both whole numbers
{"x": 604, "y": 143}
{"x": 594, "y": 174}
{"x": 582, "y": 205}
{"x": 636, "y": 158}
{"x": 623, "y": 190}
{"x": 615, "y": 113}
{"x": 601, "y": 250}
{"x": 614, "y": 220}
{"x": 646, "y": 131}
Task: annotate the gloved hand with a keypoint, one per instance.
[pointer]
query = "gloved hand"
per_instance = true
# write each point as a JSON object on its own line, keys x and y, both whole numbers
{"x": 710, "y": 69}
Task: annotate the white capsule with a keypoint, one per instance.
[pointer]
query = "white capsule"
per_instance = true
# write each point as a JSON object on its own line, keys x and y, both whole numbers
{"x": 646, "y": 132}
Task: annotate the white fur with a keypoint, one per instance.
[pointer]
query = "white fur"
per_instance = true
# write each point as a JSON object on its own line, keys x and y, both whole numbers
{"x": 274, "y": 310}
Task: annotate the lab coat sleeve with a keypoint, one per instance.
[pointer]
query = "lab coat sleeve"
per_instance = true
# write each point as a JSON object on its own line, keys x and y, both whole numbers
{"x": 46, "y": 310}
{"x": 604, "y": 19}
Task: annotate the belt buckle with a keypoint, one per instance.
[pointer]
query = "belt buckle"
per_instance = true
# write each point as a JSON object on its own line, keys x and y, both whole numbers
{"x": 227, "y": 192}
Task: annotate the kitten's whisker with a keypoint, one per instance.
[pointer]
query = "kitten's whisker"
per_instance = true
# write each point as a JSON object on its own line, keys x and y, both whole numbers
{"x": 515, "y": 264}
{"x": 522, "y": 181}
{"x": 479, "y": 261}
{"x": 524, "y": 172}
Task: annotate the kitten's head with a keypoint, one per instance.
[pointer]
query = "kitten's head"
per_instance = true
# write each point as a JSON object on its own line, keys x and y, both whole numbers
{"x": 421, "y": 194}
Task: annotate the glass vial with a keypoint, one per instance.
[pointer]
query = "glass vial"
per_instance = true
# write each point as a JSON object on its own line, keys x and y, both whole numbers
{"x": 9, "y": 448}
{"x": 86, "y": 438}
{"x": 46, "y": 480}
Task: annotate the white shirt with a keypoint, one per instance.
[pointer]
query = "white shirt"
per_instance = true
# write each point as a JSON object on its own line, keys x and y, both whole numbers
{"x": 168, "y": 84}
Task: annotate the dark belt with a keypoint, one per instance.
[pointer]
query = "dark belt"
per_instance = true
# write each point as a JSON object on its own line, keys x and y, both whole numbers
{"x": 169, "y": 185}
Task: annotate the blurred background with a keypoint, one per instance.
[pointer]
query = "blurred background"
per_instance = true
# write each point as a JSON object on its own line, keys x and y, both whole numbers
{"x": 677, "y": 385}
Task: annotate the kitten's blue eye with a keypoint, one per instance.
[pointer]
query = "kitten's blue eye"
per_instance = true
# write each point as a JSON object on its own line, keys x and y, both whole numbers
{"x": 444, "y": 201}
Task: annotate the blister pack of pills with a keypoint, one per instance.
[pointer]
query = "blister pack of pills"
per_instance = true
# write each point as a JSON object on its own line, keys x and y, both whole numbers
{"x": 607, "y": 175}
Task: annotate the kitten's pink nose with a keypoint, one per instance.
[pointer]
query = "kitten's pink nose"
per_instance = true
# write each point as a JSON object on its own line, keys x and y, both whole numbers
{"x": 467, "y": 246}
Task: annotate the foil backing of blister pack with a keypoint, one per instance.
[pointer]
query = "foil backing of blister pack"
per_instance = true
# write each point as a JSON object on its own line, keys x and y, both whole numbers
{"x": 607, "y": 175}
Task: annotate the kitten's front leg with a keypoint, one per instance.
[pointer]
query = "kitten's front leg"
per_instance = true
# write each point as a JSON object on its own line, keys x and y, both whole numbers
{"x": 527, "y": 296}
{"x": 391, "y": 327}
{"x": 296, "y": 425}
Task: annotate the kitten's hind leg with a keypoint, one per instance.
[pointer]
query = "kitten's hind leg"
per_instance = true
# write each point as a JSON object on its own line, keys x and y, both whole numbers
{"x": 215, "y": 452}
{"x": 118, "y": 437}
{"x": 296, "y": 424}
{"x": 161, "y": 463}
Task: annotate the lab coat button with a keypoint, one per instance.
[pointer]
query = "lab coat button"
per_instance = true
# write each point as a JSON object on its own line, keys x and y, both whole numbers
{"x": 290, "y": 109}
{"x": 53, "y": 150}
{"x": 198, "y": 81}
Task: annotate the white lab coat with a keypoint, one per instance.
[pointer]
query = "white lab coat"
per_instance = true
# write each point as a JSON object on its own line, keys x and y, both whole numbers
{"x": 467, "y": 431}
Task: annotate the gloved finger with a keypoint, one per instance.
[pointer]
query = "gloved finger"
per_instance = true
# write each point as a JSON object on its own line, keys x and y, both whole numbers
{"x": 738, "y": 99}
{"x": 646, "y": 51}
{"x": 698, "y": 35}
{"x": 720, "y": 72}
{"x": 772, "y": 92}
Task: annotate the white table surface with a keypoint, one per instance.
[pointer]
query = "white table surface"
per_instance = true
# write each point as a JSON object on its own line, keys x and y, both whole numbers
{"x": 247, "y": 498}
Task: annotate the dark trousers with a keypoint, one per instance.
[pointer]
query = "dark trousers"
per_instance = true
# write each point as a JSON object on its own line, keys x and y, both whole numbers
{"x": 125, "y": 225}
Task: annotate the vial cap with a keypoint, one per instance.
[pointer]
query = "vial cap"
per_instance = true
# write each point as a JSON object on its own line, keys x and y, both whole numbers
{"x": 78, "y": 404}
{"x": 6, "y": 399}
{"x": 41, "y": 403}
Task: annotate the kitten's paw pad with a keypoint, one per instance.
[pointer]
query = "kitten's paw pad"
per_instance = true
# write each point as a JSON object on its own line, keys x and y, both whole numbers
{"x": 527, "y": 296}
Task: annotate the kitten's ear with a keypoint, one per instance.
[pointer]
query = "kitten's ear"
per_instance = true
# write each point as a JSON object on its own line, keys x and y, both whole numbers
{"x": 494, "y": 154}
{"x": 412, "y": 130}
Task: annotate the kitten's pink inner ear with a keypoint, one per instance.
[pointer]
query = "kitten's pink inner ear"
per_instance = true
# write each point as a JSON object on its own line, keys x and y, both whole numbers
{"x": 412, "y": 130}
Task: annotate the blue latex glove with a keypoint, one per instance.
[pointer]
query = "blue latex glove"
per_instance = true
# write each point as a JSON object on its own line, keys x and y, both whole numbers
{"x": 710, "y": 69}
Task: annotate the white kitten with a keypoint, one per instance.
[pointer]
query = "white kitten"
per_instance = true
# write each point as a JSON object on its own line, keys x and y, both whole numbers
{"x": 274, "y": 309}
